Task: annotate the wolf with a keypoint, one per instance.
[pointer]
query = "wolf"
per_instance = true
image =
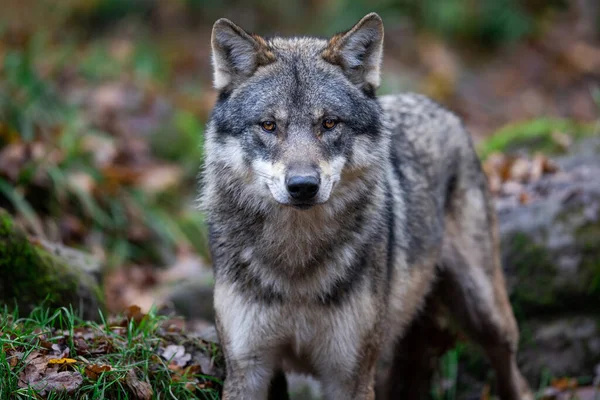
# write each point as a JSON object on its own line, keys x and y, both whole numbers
{"x": 346, "y": 229}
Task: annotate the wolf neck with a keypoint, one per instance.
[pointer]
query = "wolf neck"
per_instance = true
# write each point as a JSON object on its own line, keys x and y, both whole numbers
{"x": 291, "y": 241}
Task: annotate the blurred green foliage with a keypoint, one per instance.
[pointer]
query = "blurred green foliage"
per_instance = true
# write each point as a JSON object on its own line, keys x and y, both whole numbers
{"x": 72, "y": 43}
{"x": 483, "y": 22}
{"x": 537, "y": 135}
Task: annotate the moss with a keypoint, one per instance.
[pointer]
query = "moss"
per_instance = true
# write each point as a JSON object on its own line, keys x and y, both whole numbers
{"x": 535, "y": 135}
{"x": 539, "y": 289}
{"x": 29, "y": 275}
{"x": 588, "y": 239}
{"x": 535, "y": 272}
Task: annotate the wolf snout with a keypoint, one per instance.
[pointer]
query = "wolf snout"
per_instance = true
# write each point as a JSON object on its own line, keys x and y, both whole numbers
{"x": 303, "y": 187}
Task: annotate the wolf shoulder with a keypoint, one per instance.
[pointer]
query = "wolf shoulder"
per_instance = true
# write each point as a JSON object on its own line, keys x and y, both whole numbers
{"x": 428, "y": 125}
{"x": 427, "y": 136}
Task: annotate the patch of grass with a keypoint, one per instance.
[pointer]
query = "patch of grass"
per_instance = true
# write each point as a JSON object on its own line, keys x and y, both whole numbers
{"x": 446, "y": 383}
{"x": 130, "y": 346}
{"x": 534, "y": 135}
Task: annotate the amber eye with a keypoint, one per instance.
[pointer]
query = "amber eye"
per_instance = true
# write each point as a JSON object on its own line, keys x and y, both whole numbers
{"x": 268, "y": 126}
{"x": 329, "y": 123}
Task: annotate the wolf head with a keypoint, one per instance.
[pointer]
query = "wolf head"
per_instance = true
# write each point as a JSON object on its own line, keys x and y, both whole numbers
{"x": 295, "y": 117}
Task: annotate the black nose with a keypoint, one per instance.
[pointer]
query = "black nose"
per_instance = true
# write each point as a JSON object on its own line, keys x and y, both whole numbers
{"x": 303, "y": 187}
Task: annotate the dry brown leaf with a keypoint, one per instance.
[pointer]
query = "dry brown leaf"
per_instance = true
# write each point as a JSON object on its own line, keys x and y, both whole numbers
{"x": 116, "y": 176}
{"x": 141, "y": 390}
{"x": 519, "y": 170}
{"x": 159, "y": 178}
{"x": 550, "y": 166}
{"x": 563, "y": 383}
{"x": 537, "y": 167}
{"x": 583, "y": 56}
{"x": 13, "y": 358}
{"x": 134, "y": 313}
{"x": 35, "y": 365}
{"x": 55, "y": 381}
{"x": 93, "y": 371}
{"x": 524, "y": 198}
{"x": 44, "y": 377}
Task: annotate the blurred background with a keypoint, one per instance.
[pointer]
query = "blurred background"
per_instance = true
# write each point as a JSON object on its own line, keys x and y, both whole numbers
{"x": 102, "y": 112}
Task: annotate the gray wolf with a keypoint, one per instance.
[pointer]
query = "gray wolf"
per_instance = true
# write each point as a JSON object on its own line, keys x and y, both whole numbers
{"x": 342, "y": 224}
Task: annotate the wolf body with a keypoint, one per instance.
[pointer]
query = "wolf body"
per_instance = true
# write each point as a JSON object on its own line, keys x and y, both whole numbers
{"x": 342, "y": 224}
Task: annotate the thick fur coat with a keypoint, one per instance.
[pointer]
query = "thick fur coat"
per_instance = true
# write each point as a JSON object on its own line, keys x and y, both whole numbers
{"x": 339, "y": 219}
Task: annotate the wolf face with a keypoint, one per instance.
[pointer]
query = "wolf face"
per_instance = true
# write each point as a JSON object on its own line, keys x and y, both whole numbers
{"x": 295, "y": 116}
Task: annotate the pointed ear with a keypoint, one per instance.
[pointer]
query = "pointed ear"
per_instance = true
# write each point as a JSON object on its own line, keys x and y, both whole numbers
{"x": 359, "y": 52}
{"x": 236, "y": 54}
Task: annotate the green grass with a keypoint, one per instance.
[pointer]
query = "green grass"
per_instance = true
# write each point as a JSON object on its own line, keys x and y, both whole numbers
{"x": 445, "y": 384}
{"x": 535, "y": 135}
{"x": 129, "y": 346}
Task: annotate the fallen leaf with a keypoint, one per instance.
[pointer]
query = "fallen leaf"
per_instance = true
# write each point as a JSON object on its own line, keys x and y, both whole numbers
{"x": 141, "y": 390}
{"x": 62, "y": 361}
{"x": 54, "y": 381}
{"x": 524, "y": 198}
{"x": 134, "y": 313}
{"x": 60, "y": 350}
{"x": 159, "y": 178}
{"x": 93, "y": 371}
{"x": 550, "y": 166}
{"x": 563, "y": 383}
{"x": 176, "y": 354}
{"x": 35, "y": 365}
{"x": 44, "y": 376}
{"x": 13, "y": 358}
{"x": 519, "y": 170}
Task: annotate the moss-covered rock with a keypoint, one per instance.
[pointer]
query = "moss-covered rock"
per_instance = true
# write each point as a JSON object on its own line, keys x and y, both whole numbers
{"x": 32, "y": 272}
{"x": 551, "y": 257}
{"x": 551, "y": 246}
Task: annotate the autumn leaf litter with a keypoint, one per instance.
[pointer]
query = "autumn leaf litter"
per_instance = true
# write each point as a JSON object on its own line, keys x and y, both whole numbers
{"x": 134, "y": 352}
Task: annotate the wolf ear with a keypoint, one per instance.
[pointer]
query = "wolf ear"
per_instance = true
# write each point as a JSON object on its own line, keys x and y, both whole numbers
{"x": 358, "y": 52}
{"x": 236, "y": 54}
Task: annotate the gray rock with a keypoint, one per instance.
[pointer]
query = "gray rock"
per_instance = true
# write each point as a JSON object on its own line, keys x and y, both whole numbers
{"x": 551, "y": 256}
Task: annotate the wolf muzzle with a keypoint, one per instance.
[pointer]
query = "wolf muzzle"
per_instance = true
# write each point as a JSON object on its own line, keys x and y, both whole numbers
{"x": 303, "y": 185}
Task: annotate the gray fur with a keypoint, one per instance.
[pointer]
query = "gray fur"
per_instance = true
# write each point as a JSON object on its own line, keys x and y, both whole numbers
{"x": 331, "y": 286}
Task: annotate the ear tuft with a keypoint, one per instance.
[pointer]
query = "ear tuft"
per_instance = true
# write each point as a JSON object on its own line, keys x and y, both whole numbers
{"x": 359, "y": 52}
{"x": 236, "y": 54}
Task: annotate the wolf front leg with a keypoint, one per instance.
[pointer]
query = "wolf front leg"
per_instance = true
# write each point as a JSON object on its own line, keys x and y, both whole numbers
{"x": 251, "y": 370}
{"x": 247, "y": 379}
{"x": 345, "y": 360}
{"x": 249, "y": 352}
{"x": 357, "y": 382}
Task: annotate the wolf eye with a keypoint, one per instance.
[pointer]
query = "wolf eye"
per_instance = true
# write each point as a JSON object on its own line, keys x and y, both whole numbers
{"x": 329, "y": 123}
{"x": 268, "y": 126}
